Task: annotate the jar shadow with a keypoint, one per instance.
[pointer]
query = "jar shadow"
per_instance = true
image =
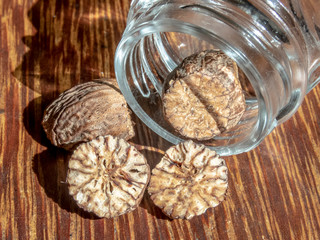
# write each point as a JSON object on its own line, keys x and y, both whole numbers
{"x": 72, "y": 44}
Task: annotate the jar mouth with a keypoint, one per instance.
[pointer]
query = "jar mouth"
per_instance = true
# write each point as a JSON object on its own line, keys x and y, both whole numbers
{"x": 149, "y": 51}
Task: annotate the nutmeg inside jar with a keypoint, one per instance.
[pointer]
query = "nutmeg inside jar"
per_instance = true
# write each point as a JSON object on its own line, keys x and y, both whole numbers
{"x": 148, "y": 66}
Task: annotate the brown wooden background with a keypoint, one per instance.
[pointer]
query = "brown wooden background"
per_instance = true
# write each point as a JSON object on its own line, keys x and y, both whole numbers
{"x": 47, "y": 46}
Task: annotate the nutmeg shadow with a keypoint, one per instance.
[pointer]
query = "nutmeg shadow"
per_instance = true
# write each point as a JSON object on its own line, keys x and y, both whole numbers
{"x": 152, "y": 147}
{"x": 153, "y": 158}
{"x": 152, "y": 209}
{"x": 32, "y": 118}
{"x": 50, "y": 167}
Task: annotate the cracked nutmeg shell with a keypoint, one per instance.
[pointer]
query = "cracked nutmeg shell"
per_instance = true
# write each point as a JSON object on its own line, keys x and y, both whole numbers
{"x": 189, "y": 179}
{"x": 88, "y": 110}
{"x": 203, "y": 96}
{"x": 107, "y": 176}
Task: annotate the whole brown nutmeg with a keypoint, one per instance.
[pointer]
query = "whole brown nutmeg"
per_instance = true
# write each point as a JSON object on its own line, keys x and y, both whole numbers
{"x": 86, "y": 111}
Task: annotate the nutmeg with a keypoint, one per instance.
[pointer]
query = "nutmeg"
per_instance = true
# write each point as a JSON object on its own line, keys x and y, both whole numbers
{"x": 88, "y": 110}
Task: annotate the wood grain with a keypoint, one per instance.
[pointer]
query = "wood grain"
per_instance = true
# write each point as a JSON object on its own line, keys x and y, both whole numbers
{"x": 47, "y": 46}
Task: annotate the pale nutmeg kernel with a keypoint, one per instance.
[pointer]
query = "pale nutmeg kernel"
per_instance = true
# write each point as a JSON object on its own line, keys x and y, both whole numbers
{"x": 189, "y": 179}
{"x": 203, "y": 96}
{"x": 107, "y": 176}
{"x": 88, "y": 110}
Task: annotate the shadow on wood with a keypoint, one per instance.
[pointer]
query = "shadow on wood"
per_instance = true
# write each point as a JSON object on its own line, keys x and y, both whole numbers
{"x": 74, "y": 43}
{"x": 152, "y": 209}
{"x": 50, "y": 167}
{"x": 32, "y": 117}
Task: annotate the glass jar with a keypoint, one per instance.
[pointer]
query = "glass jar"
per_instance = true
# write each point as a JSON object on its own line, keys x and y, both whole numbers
{"x": 274, "y": 42}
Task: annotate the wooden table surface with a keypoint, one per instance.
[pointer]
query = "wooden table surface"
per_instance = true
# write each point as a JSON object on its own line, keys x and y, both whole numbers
{"x": 47, "y": 46}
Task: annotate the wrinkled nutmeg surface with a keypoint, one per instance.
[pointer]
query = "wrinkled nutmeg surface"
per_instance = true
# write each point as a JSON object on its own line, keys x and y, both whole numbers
{"x": 107, "y": 176}
{"x": 88, "y": 110}
{"x": 203, "y": 97}
{"x": 189, "y": 179}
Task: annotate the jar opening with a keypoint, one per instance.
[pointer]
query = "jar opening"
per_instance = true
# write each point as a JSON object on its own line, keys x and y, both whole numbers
{"x": 151, "y": 50}
{"x": 148, "y": 64}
